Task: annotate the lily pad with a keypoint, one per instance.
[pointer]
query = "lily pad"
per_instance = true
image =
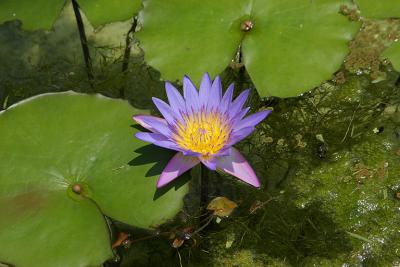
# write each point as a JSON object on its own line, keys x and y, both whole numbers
{"x": 40, "y": 15}
{"x": 288, "y": 46}
{"x": 393, "y": 54}
{"x": 34, "y": 15}
{"x": 66, "y": 159}
{"x": 190, "y": 37}
{"x": 101, "y": 12}
{"x": 43, "y": 228}
{"x": 379, "y": 10}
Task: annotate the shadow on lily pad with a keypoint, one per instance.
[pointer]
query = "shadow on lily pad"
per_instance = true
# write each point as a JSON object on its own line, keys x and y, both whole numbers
{"x": 160, "y": 156}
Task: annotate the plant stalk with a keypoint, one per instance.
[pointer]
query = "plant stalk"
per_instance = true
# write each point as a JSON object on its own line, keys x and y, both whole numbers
{"x": 204, "y": 185}
{"x": 84, "y": 43}
{"x": 127, "y": 53}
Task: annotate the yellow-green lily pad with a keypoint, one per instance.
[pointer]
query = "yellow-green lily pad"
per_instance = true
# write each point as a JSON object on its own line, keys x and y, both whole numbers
{"x": 288, "y": 47}
{"x": 379, "y": 9}
{"x": 66, "y": 160}
{"x": 393, "y": 54}
{"x": 35, "y": 15}
{"x": 100, "y": 12}
{"x": 41, "y": 14}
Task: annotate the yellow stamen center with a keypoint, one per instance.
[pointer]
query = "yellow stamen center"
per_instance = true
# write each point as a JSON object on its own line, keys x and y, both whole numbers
{"x": 204, "y": 133}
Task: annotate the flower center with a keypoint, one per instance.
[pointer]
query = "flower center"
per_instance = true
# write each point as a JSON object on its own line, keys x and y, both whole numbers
{"x": 203, "y": 132}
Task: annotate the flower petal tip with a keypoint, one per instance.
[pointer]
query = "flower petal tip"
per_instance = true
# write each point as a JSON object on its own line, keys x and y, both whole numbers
{"x": 134, "y": 117}
{"x": 256, "y": 183}
{"x": 160, "y": 183}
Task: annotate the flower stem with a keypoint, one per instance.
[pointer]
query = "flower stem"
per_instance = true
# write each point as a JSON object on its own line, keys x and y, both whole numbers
{"x": 204, "y": 184}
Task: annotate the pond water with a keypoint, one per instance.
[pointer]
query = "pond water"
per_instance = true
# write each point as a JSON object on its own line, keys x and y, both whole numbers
{"x": 328, "y": 159}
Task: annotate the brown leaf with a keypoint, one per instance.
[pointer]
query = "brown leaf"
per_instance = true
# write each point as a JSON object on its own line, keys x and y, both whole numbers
{"x": 177, "y": 243}
{"x": 122, "y": 236}
{"x": 222, "y": 206}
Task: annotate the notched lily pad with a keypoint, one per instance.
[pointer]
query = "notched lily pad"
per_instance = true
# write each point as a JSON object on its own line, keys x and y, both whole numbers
{"x": 63, "y": 157}
{"x": 190, "y": 37}
{"x": 288, "y": 46}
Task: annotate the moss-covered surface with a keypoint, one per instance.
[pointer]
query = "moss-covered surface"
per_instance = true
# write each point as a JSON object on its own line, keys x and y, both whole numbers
{"x": 328, "y": 160}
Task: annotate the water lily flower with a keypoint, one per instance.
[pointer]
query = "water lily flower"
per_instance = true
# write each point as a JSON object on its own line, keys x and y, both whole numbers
{"x": 202, "y": 126}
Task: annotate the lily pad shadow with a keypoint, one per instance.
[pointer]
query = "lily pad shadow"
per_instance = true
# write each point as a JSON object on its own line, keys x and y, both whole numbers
{"x": 159, "y": 156}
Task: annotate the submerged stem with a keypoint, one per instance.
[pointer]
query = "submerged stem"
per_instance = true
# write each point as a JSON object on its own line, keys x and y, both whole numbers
{"x": 84, "y": 43}
{"x": 127, "y": 53}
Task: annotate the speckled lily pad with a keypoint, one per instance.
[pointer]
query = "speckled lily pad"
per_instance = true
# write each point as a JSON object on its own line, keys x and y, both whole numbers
{"x": 379, "y": 9}
{"x": 292, "y": 46}
{"x": 66, "y": 159}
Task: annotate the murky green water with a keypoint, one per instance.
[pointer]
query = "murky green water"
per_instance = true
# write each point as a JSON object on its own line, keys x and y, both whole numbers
{"x": 329, "y": 159}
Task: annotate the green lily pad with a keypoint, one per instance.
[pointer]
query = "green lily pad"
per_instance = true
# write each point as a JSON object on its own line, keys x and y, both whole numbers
{"x": 54, "y": 143}
{"x": 292, "y": 46}
{"x": 33, "y": 14}
{"x": 40, "y": 15}
{"x": 393, "y": 54}
{"x": 295, "y": 45}
{"x": 190, "y": 37}
{"x": 43, "y": 228}
{"x": 379, "y": 9}
{"x": 101, "y": 12}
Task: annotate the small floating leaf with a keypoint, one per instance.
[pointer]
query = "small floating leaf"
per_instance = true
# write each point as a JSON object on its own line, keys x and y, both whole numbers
{"x": 222, "y": 206}
{"x": 393, "y": 54}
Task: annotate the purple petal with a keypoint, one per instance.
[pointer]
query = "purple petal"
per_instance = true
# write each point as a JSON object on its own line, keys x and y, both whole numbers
{"x": 190, "y": 153}
{"x": 226, "y": 99}
{"x": 158, "y": 140}
{"x": 141, "y": 119}
{"x": 151, "y": 137}
{"x": 237, "y": 165}
{"x": 167, "y": 111}
{"x": 205, "y": 88}
{"x": 252, "y": 120}
{"x": 239, "y": 135}
{"x": 210, "y": 163}
{"x": 223, "y": 152}
{"x": 191, "y": 95}
{"x": 238, "y": 103}
{"x": 154, "y": 124}
{"x": 215, "y": 94}
{"x": 240, "y": 115}
{"x": 175, "y": 99}
{"x": 175, "y": 167}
